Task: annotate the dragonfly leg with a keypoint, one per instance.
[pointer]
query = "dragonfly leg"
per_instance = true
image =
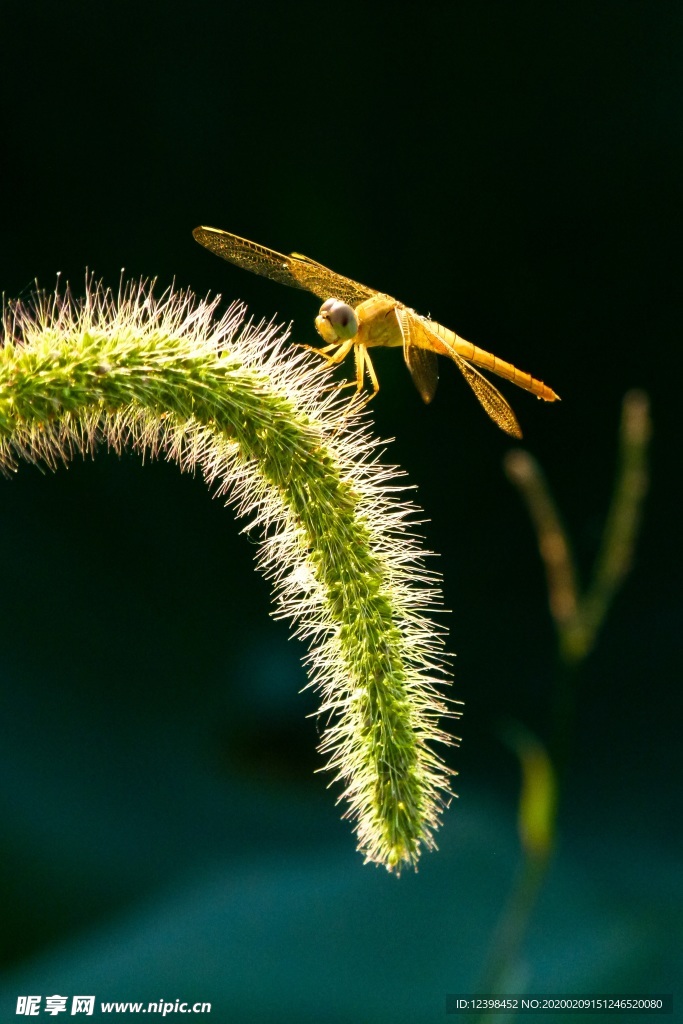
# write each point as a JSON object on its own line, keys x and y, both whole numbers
{"x": 337, "y": 357}
{"x": 336, "y": 353}
{"x": 371, "y": 371}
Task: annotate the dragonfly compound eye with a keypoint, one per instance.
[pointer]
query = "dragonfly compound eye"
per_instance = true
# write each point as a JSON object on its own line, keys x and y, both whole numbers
{"x": 341, "y": 317}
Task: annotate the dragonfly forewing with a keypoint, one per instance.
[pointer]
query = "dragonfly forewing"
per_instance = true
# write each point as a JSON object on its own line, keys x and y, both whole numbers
{"x": 419, "y": 355}
{"x": 295, "y": 270}
{"x": 248, "y": 255}
{"x": 325, "y": 283}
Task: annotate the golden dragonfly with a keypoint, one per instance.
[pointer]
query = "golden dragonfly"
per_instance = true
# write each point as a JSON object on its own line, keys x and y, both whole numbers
{"x": 356, "y": 317}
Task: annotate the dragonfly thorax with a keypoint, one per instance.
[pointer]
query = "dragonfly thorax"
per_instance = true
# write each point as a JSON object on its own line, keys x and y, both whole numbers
{"x": 378, "y": 323}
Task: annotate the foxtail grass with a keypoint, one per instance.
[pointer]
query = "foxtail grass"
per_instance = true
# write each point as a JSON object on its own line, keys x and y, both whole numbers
{"x": 264, "y": 425}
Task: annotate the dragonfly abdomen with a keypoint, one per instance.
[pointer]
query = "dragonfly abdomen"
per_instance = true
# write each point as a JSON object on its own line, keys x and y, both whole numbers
{"x": 480, "y": 357}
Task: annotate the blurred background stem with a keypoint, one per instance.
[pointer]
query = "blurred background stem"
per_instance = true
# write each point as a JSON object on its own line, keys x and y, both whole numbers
{"x": 578, "y": 616}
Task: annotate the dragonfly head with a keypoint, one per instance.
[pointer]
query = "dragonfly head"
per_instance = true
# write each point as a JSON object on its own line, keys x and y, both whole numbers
{"x": 336, "y": 322}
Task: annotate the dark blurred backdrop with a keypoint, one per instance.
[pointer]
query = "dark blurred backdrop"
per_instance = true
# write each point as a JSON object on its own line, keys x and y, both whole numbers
{"x": 511, "y": 169}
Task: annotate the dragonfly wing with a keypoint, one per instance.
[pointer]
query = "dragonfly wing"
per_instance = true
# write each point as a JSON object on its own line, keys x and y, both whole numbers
{"x": 325, "y": 283}
{"x": 491, "y": 399}
{"x": 493, "y": 402}
{"x": 421, "y": 362}
{"x": 295, "y": 270}
{"x": 248, "y": 255}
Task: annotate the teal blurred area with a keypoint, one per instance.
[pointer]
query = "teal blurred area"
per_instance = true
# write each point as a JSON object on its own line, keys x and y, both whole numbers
{"x": 299, "y": 936}
{"x": 514, "y": 171}
{"x": 165, "y": 836}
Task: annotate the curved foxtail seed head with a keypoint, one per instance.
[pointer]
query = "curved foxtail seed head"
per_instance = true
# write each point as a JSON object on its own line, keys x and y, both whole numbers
{"x": 283, "y": 445}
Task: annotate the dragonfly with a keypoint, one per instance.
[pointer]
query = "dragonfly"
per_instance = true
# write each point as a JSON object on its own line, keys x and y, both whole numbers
{"x": 355, "y": 317}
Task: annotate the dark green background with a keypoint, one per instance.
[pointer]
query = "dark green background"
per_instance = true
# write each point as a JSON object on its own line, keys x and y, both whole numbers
{"x": 511, "y": 169}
